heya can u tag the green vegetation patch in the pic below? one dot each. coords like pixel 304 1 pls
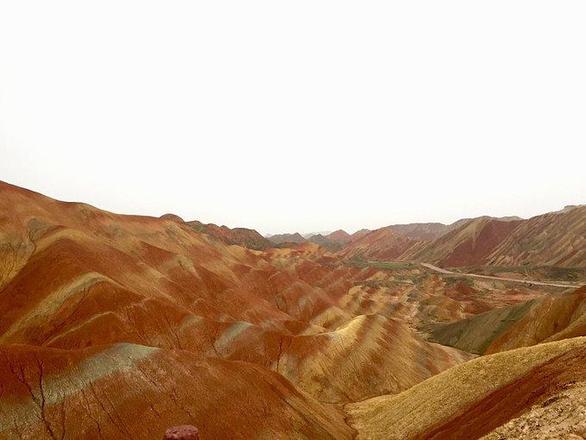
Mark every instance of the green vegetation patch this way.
pixel 475 334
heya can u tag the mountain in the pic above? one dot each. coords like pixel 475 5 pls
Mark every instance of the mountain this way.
pixel 287 238
pixel 340 236
pixel 333 241
pixel 119 326
pixel 325 242
pixel 422 231
pixel 393 242
pixel 553 239
pixel 241 236
pixel 380 244
pixel 311 234
pixel 468 245
pixel 360 233
pixel 107 316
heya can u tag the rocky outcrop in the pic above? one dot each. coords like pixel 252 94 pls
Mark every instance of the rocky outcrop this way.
pixel 183 432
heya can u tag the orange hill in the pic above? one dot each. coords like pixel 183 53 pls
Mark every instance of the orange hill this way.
pixel 119 326
pixel 97 308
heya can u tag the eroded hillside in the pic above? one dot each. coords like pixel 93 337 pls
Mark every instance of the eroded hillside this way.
pixel 115 326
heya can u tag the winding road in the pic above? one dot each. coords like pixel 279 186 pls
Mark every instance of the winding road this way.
pixel 514 280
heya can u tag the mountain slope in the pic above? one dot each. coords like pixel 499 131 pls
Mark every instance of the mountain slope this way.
pixel 367 356
pixel 380 244
pixel 340 236
pixel 422 231
pixel 241 236
pixel 468 245
pixel 472 399
pixel 127 324
pixel 325 242
pixel 287 238
pixel 78 282
pixel 133 391
pixel 554 239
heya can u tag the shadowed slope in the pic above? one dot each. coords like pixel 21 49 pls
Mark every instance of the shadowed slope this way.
pixel 549 319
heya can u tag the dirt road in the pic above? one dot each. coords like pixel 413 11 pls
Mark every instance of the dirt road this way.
pixel 513 280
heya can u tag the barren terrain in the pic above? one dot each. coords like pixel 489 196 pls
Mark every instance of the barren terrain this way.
pixel 117 326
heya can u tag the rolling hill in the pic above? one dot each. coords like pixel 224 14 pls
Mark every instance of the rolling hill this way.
pixel 117 326
pixel 98 307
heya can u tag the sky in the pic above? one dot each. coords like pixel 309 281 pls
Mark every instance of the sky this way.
pixel 297 116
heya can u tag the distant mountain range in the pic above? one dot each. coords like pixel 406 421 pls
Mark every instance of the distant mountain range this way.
pixel 556 239
pixel 249 238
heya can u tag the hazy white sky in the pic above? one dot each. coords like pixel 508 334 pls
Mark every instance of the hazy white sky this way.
pixel 297 116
